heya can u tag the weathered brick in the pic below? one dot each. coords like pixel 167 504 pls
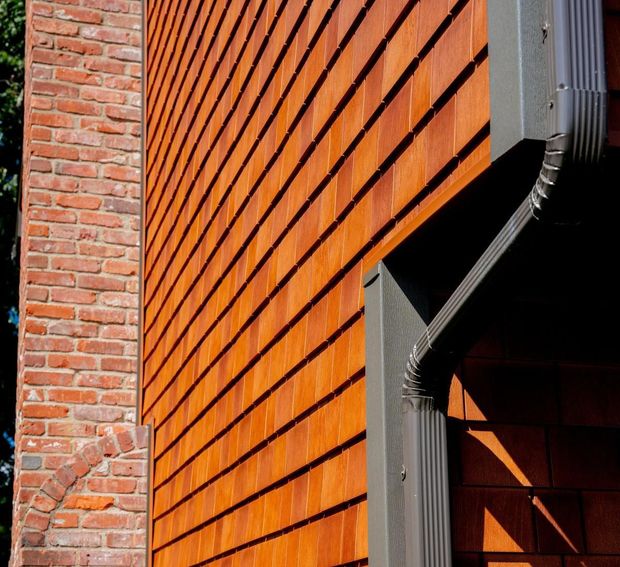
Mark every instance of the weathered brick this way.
pixel 108 520
pixel 79 46
pixel 78 15
pixel 48 557
pixel 98 414
pixel 64 520
pixel 108 446
pixel 80 538
pixel 33 539
pixel 112 485
pixel 30 462
pixel 36 520
pixel 44 503
pixel 54 489
pixel 120 558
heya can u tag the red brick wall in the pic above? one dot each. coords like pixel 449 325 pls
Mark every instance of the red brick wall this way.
pixel 79 285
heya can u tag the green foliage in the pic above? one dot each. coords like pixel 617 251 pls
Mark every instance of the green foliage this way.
pixel 12 19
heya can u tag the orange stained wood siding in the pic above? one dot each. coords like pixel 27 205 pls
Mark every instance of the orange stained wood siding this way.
pixel 287 142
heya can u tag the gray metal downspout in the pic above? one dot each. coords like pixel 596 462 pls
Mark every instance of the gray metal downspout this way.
pixel 577 126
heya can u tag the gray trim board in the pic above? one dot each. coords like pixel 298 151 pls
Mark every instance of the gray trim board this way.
pixel 391 320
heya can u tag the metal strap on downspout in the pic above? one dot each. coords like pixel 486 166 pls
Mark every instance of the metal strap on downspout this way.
pixel 577 129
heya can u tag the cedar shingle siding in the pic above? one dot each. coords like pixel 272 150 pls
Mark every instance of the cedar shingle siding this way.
pixel 284 144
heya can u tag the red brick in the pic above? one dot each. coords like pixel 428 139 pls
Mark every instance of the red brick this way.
pixel 119 558
pixel 118 364
pixel 76 264
pixel 121 173
pixel 44 410
pixel 46 445
pixel 49 278
pixel 108 520
pixel 65 476
pixel 54 26
pixel 36 520
pixel 48 378
pixel 100 283
pixel 74 296
pixel 121 267
pixel 54 489
pixel 78 15
pixel 37 327
pixel 42 165
pixel 78 77
pixel 50 344
pixel 129 468
pixel 73 329
pixel 48 557
pixel 132 503
pixel 125 441
pixel 77 169
pixel 112 485
pixel 142 436
pixel 99 381
pixel 123 113
pixel 43 503
pixel 52 246
pixel 73 396
pixel 65 520
pixel 54 89
pixel 101 219
pixel 33 539
pixel 52 120
pixel 79 201
pixel 73 361
pixel 103 95
pixel 79 46
pixel 78 107
pixel 71 429
pixel 74 539
pixel 95 413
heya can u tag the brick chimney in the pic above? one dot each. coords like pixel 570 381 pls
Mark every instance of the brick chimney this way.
pixel 80 469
